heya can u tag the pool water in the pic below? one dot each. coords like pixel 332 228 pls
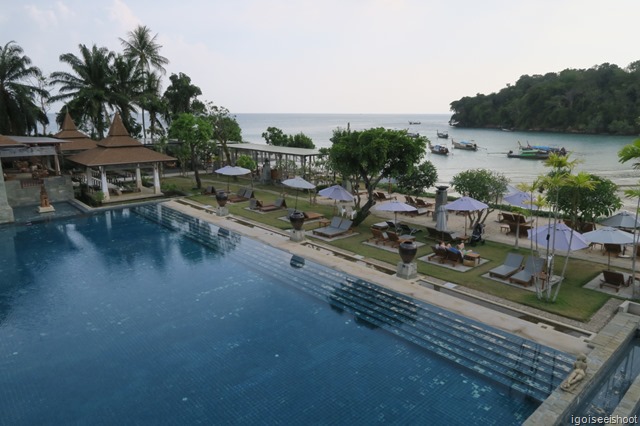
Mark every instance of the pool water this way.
pixel 114 319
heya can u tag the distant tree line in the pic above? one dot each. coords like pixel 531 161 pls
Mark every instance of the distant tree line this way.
pixel 604 99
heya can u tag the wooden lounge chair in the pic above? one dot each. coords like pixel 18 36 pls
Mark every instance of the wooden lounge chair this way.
pixel 511 265
pixel 380 196
pixel 312 215
pixel 209 190
pixel 533 265
pixel 242 195
pixel 337 227
pixel 439 253
pixel 395 239
pixel 379 237
pixel 613 279
pixel 255 204
pixel 280 203
pixel 409 200
pixel 454 256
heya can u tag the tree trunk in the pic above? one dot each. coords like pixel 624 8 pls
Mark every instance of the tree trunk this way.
pixel 194 166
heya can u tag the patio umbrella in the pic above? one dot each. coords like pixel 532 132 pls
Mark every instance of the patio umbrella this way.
pixel 624 219
pixel 521 199
pixel 337 193
pixel 298 183
pixel 466 204
pixel 395 207
pixel 609 235
pixel 232 171
pixel 558 236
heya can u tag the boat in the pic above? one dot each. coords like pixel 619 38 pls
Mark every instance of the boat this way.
pixel 414 122
pixel 529 154
pixel 544 148
pixel 466 145
pixel 442 135
pixel 439 149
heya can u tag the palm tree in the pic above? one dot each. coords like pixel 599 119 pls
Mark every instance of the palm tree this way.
pixel 19 112
pixel 576 184
pixel 89 87
pixel 627 153
pixel 142 47
pixel 126 88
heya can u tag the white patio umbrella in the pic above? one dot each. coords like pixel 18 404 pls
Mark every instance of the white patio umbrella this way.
pixel 558 237
pixel 298 183
pixel 623 219
pixel 466 204
pixel 395 207
pixel 337 193
pixel 609 235
pixel 521 199
pixel 232 171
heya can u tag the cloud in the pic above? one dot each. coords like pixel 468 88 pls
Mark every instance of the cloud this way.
pixel 123 16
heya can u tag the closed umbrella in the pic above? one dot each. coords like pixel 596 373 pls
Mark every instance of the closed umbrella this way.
pixel 395 207
pixel 441 219
pixel 609 235
pixel 466 204
pixel 232 171
pixel 298 183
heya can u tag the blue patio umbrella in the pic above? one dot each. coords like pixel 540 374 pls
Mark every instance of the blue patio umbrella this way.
pixel 558 236
pixel 521 199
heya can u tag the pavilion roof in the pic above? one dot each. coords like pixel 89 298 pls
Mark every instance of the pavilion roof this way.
pixel 118 148
pixel 78 141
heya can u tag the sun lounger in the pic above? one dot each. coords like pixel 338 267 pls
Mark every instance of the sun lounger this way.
pixel 338 226
pixel 409 200
pixel 533 265
pixel 379 237
pixel 454 256
pixel 511 265
pixel 280 203
pixel 613 279
pixel 406 229
pixel 380 196
pixel 242 195
pixel 439 253
pixel 209 190
pixel 312 215
pixel 395 239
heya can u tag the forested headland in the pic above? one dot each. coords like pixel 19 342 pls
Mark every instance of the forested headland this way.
pixel 604 99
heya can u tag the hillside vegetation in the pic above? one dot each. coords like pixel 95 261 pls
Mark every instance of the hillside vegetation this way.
pixel 604 99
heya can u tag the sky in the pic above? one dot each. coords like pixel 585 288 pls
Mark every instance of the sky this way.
pixel 338 56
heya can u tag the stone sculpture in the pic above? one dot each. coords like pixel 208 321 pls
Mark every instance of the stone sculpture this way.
pixel 578 374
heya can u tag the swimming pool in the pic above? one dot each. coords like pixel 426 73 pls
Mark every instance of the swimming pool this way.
pixel 111 318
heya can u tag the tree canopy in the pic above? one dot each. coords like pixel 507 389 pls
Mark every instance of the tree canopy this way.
pixel 604 99
pixel 483 185
pixel 195 133
pixel 276 137
pixel 19 112
pixel 372 155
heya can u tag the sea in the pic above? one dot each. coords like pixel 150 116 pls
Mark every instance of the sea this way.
pixel 597 154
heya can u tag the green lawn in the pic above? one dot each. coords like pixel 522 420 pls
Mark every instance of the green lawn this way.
pixel 573 301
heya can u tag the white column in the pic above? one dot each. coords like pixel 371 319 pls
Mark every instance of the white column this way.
pixel 105 186
pixel 138 177
pixel 156 179
pixel 89 176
